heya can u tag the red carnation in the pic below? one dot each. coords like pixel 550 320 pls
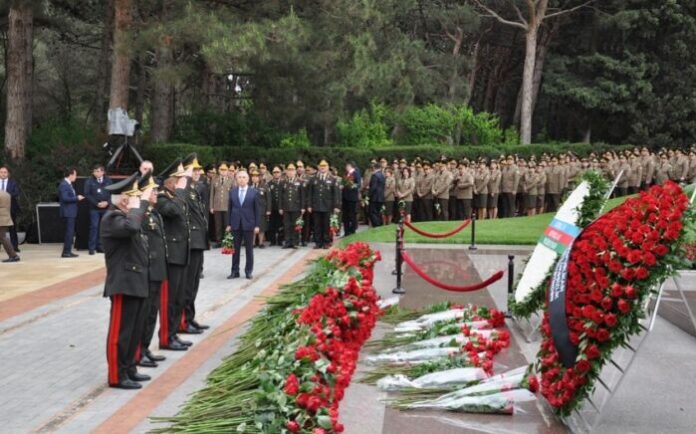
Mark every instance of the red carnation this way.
pixel 533 384
pixel 592 352
pixel 630 292
pixel 292 385
pixel 293 426
pixel 583 366
pixel 642 273
pixel 610 319
pixel 602 335
pixel 623 306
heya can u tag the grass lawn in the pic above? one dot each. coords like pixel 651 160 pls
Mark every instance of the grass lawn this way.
pixel 514 231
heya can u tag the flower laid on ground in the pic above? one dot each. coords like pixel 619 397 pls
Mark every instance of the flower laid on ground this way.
pixel 228 244
pixel 614 265
pixel 294 363
pixel 334 225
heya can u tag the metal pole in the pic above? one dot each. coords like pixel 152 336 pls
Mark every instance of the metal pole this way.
pixel 511 281
pixel 397 253
pixel 399 260
pixel 473 247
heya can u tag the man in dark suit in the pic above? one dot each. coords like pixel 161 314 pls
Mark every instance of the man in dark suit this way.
pixel 11 187
pixel 244 215
pixel 99 199
pixel 68 199
pixel 351 196
pixel 127 285
pixel 376 195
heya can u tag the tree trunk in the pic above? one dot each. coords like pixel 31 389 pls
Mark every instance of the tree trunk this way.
pixel 528 83
pixel 19 73
pixel 141 90
pixel 472 74
pixel 104 67
pixel 542 50
pixel 162 100
pixel 456 52
pixel 120 69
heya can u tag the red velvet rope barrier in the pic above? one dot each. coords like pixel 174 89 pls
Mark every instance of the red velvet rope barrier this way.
pixel 494 278
pixel 445 235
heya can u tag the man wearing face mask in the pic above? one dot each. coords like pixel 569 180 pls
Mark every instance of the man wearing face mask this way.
pixel 126 256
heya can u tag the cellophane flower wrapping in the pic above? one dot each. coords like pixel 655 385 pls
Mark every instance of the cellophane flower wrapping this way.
pixel 228 244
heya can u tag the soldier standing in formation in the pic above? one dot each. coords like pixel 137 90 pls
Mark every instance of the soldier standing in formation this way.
pixel 275 219
pixel 441 189
pixel 220 187
pixel 264 205
pixel 324 197
pixel 291 206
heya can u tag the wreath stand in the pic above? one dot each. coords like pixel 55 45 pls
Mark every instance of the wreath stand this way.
pixel 588 416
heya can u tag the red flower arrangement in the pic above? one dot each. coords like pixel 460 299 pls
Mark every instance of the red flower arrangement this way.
pixel 228 244
pixel 613 265
pixel 340 321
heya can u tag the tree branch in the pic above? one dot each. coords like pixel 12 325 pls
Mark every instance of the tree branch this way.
pixel 519 14
pixel 567 11
pixel 492 14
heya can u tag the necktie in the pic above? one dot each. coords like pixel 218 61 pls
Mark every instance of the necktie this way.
pixel 242 194
pixel 3 184
pixel 99 180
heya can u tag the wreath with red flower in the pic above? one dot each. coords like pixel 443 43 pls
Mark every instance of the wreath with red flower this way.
pixel 614 265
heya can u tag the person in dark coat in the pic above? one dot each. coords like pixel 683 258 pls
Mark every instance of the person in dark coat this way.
pixel 126 256
pixel 376 195
pixel 171 205
pixel 351 197
pixel 198 225
pixel 291 205
pixel 153 228
pixel 324 198
pixel 11 187
pixel 99 200
pixel 68 199
pixel 245 215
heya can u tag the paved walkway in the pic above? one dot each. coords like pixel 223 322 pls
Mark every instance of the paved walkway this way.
pixel 54 368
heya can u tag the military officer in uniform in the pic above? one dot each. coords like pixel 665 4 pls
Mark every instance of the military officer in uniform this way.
pixel 275 218
pixel 126 256
pixel 307 216
pixel 153 228
pixel 199 243
pixel 424 187
pixel 264 205
pixel 324 197
pixel 291 205
pixel 441 190
pixel 172 206
pixel 219 194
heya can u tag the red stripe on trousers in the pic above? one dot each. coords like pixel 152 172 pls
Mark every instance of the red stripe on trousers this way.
pixel 138 355
pixel 164 314
pixel 112 341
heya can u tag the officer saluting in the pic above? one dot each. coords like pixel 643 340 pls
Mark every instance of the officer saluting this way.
pixel 291 205
pixel 324 197
pixel 153 228
pixel 126 256
pixel 171 204
pixel 198 225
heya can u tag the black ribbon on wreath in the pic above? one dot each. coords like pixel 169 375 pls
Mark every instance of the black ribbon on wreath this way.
pixel 558 321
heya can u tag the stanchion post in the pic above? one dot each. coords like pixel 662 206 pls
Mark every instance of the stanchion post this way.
pixel 511 279
pixel 473 233
pixel 399 259
pixel 397 252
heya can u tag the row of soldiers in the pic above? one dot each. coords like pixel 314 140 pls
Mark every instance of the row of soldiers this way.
pixel 153 237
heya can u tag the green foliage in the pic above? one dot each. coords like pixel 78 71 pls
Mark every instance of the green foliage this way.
pixel 58 132
pixel 225 129
pixel 299 140
pixel 366 129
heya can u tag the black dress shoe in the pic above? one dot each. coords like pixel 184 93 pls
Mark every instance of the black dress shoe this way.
pixel 12 259
pixel 147 363
pixel 199 326
pixel 326 247
pixel 126 384
pixel 154 357
pixel 317 247
pixel 191 330
pixel 183 342
pixel 16 249
pixel 249 276
pixel 174 346
pixel 69 255
pixel 138 377
pixel 233 276
pixel 287 246
pixel 91 252
pixel 100 250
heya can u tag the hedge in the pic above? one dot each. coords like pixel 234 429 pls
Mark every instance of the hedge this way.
pixel 163 154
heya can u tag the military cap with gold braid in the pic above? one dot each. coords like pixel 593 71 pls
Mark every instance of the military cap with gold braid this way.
pixel 128 186
pixel 192 161
pixel 175 169
pixel 323 163
pixel 147 181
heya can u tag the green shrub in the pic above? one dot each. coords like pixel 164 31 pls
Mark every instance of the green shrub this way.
pixel 56 132
pixel 366 129
pixel 299 140
pixel 225 129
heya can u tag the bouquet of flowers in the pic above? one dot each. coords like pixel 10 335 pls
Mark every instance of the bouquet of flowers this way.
pixel 299 224
pixel 438 208
pixel 365 201
pixel 348 181
pixel 334 225
pixel 228 244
